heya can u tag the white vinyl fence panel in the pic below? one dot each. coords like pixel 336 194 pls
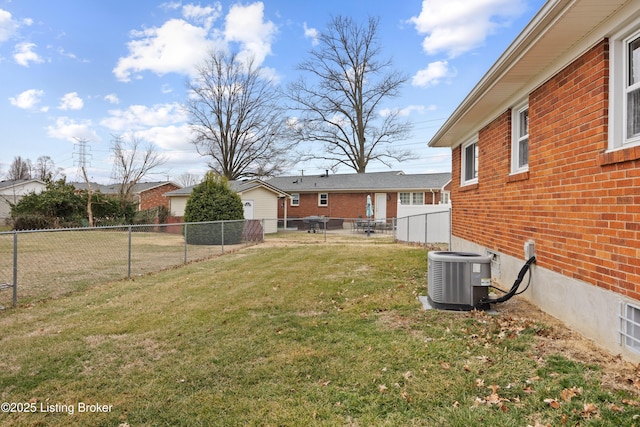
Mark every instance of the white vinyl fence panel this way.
pixel 434 227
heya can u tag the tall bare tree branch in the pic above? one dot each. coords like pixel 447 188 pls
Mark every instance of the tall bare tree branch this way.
pixel 340 103
pixel 132 161
pixel 236 119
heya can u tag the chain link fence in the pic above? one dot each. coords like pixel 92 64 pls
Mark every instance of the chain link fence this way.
pixel 42 264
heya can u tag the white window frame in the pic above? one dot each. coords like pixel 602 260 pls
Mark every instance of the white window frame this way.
pixel 618 87
pixel 463 163
pixel 295 199
pixel 517 136
pixel 416 195
pixel 408 198
pixel 411 198
pixel 326 199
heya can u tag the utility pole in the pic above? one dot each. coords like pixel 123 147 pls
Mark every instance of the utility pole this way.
pixel 82 167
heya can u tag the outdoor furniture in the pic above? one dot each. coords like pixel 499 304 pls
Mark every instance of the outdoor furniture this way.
pixel 314 222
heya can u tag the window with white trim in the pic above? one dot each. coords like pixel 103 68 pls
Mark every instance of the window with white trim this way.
pixel 407 198
pixel 417 199
pixel 469 163
pixel 323 199
pixel 624 94
pixel 295 199
pixel 520 139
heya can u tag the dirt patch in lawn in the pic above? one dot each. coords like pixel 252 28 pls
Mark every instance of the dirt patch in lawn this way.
pixel 556 338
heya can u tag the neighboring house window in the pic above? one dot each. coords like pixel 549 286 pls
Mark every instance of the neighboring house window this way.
pixel 624 96
pixel 411 198
pixel 470 163
pixel 446 198
pixel 323 199
pixel 418 199
pixel 405 198
pixel 520 140
pixel 295 199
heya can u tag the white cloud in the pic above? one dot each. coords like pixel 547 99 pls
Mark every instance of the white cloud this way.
pixel 28 100
pixel 112 98
pixel 139 117
pixel 8 26
pixel 457 26
pixel 71 130
pixel 180 44
pixel 71 101
pixel 408 110
pixel 168 137
pixel 205 15
pixel 175 47
pixel 311 33
pixel 246 25
pixel 23 54
pixel 433 74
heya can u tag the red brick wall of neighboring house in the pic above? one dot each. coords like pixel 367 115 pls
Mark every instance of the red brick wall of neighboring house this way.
pixel 341 205
pixel 155 197
pixel 579 203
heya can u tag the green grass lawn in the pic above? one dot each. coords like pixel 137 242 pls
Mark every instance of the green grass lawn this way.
pixel 299 334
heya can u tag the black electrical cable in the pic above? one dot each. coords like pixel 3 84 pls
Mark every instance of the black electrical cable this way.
pixel 525 268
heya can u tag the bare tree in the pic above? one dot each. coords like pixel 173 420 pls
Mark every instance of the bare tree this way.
pixel 20 169
pixel 236 119
pixel 340 106
pixel 132 161
pixel 46 170
pixel 188 179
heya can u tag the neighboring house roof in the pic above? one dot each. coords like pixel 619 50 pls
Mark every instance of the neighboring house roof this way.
pixel 559 33
pixel 374 181
pixel 18 182
pixel 237 186
pixel 113 188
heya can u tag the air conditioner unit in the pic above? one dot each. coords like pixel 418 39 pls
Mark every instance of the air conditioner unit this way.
pixel 458 280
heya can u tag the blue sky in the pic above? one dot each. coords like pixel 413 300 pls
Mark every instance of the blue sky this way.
pixel 91 69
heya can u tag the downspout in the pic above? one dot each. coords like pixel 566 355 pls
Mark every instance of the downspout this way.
pixel 433 197
pixel 286 202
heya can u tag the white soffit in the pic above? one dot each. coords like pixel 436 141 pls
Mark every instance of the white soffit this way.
pixel 533 57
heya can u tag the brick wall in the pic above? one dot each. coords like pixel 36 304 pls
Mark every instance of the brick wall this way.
pixel 580 204
pixel 155 197
pixel 341 205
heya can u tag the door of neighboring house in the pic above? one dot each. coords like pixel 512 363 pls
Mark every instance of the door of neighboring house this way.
pixel 248 209
pixel 380 207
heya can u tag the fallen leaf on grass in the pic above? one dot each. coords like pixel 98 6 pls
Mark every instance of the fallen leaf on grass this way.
pixel 553 403
pixel 445 365
pixel 589 409
pixel 615 408
pixel 479 382
pixel 382 388
pixel 568 393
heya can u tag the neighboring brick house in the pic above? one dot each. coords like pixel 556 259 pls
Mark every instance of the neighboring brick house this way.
pixel 546 148
pixel 345 195
pixel 147 195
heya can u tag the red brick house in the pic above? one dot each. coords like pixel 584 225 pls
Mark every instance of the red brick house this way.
pixel 345 195
pixel 147 195
pixel 546 149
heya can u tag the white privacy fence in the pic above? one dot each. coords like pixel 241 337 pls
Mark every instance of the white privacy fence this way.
pixel 432 227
